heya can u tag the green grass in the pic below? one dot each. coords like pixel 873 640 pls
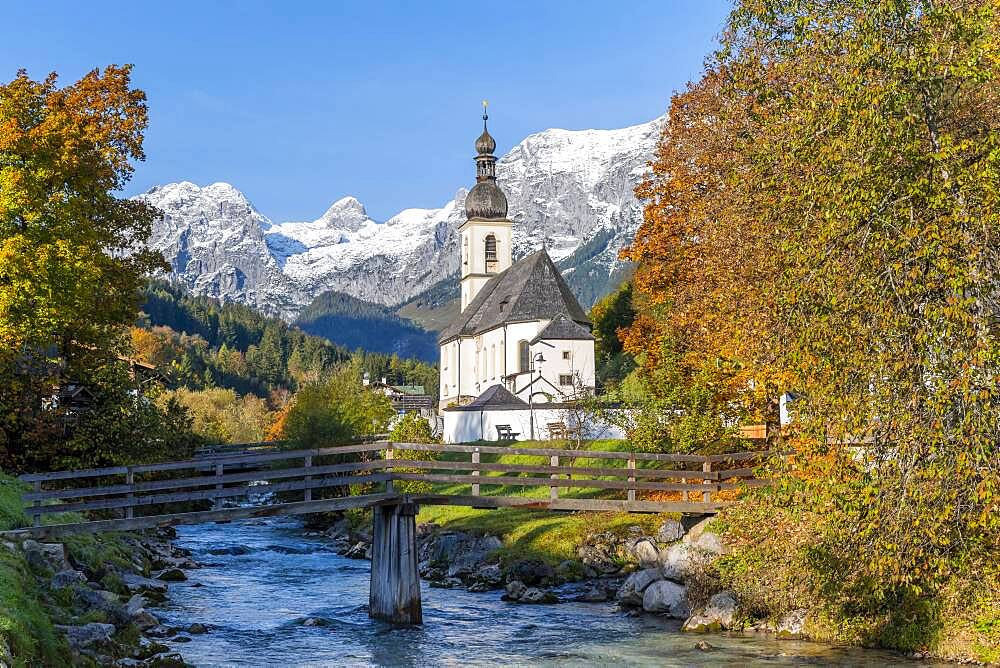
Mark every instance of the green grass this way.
pixel 537 534
pixel 25 627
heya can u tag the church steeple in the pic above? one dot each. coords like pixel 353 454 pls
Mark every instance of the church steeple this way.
pixel 486 235
pixel 486 162
pixel 486 200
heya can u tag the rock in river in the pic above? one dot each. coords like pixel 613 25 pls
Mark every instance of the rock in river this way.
pixel 666 597
pixel 718 615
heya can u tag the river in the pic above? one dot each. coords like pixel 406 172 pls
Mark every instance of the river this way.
pixel 272 596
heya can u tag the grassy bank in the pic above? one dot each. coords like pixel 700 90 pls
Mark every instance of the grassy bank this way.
pixel 26 629
pixel 536 534
pixel 779 562
pixel 27 610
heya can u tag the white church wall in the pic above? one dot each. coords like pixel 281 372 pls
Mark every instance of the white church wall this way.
pixel 469 426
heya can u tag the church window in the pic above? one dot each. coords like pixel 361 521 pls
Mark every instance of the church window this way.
pixel 465 250
pixel 524 356
pixel 491 253
pixel 566 379
pixel 493 361
pixel 565 354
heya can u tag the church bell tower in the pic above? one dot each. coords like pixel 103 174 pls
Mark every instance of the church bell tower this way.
pixel 486 235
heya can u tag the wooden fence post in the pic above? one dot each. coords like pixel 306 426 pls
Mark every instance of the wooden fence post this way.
pixel 475 471
pixel 707 468
pixel 130 481
pixel 631 477
pixel 36 515
pixel 390 488
pixel 218 474
pixel 554 491
pixel 308 491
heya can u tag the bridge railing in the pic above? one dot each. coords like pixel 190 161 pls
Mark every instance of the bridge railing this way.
pixel 459 475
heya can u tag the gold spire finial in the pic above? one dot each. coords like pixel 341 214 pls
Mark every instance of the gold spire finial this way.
pixel 485 115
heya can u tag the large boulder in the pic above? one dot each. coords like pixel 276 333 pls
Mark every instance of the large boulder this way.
pixel 646 553
pixel 457 553
pixel 666 597
pixel 678 560
pixel 630 593
pixel 87 636
pixel 46 556
pixel 102 601
pixel 670 531
pixel 518 592
pixel 702 537
pixel 171 575
pixel 532 572
pixel 487 578
pixel 718 615
pixel 67 578
pixel 152 589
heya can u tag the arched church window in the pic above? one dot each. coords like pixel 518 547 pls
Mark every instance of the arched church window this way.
pixel 491 252
pixel 465 250
pixel 523 356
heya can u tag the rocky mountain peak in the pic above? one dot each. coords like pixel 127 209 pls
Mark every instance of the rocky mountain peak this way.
pixel 570 190
pixel 347 213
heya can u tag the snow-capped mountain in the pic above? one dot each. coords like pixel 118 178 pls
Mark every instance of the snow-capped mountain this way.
pixel 571 190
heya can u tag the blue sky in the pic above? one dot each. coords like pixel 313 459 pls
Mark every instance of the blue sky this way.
pixel 300 103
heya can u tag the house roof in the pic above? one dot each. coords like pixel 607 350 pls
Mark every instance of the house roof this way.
pixel 495 396
pixel 563 329
pixel 530 289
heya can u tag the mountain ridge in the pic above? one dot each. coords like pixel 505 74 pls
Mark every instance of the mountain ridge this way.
pixel 570 190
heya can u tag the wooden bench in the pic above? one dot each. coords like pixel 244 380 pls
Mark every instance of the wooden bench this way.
pixel 505 433
pixel 557 431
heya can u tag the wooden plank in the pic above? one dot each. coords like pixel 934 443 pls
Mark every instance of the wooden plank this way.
pixel 631 478
pixel 204 462
pixel 209 494
pixel 566 470
pixel 201 481
pixel 548 482
pixel 476 464
pixel 554 489
pixel 740 456
pixel 308 496
pixel 548 452
pixel 227 514
pixel 574 505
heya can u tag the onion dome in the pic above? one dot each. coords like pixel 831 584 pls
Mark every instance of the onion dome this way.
pixel 486 200
pixel 485 145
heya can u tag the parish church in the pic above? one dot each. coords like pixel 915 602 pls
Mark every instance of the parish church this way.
pixel 521 336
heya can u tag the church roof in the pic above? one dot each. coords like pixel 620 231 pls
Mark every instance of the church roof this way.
pixel 563 329
pixel 493 397
pixel 530 289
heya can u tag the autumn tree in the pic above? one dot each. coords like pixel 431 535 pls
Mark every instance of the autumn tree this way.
pixel 823 217
pixel 72 253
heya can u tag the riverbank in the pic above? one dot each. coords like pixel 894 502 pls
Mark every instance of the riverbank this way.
pixel 663 566
pixel 85 600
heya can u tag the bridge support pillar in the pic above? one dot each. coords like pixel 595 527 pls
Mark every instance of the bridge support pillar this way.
pixel 394 595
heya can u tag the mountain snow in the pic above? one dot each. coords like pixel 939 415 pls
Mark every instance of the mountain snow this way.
pixel 569 190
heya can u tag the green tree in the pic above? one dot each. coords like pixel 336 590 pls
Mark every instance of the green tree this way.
pixel 335 411
pixel 72 255
pixel 823 217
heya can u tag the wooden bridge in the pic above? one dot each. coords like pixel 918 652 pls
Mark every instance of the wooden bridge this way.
pixel 391 478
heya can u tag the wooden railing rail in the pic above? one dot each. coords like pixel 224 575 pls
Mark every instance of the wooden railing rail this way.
pixel 629 472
